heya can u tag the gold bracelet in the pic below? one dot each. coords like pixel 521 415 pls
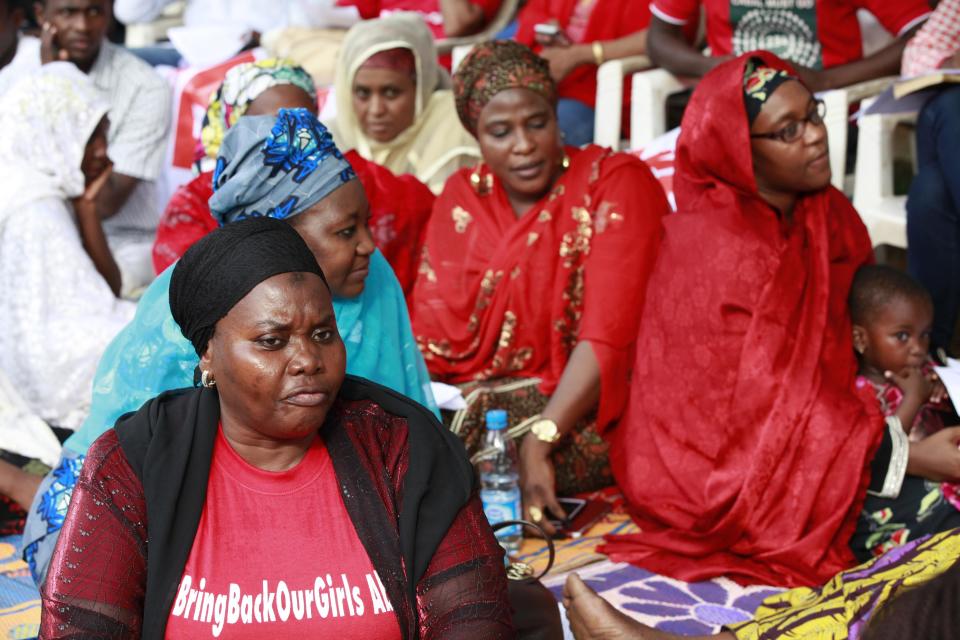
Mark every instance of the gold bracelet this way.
pixel 597 52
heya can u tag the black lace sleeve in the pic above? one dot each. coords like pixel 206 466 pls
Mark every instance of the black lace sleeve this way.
pixel 97 577
pixel 464 592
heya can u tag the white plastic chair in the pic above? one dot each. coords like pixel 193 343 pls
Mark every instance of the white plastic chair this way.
pixel 838 103
pixel 147 34
pixel 883 212
pixel 609 105
pixel 648 118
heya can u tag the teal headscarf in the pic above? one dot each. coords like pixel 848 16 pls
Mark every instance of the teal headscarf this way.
pixel 277 167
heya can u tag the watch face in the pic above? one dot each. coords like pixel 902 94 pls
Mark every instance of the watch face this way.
pixel 546 430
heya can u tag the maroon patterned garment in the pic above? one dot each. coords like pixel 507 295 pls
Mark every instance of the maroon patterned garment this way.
pixel 97 583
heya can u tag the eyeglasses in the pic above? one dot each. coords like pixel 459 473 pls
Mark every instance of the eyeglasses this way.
pixel 795 130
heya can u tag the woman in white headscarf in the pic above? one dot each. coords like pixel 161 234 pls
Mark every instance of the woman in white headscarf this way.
pixel 59 307
pixel 394 105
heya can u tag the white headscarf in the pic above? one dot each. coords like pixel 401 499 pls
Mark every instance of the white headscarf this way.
pixel 46 120
pixel 436 143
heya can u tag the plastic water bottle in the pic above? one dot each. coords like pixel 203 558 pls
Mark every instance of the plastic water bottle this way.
pixel 499 479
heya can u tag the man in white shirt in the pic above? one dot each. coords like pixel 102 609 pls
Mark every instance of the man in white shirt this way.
pixel 74 30
pixel 18 54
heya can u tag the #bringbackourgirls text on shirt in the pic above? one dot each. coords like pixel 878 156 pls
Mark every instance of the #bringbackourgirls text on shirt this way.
pixel 327 597
pixel 276 554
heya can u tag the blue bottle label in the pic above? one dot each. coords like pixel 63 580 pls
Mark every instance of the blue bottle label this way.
pixel 499 506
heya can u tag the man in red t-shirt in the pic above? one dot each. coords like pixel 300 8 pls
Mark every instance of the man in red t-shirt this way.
pixel 446 18
pixel 821 37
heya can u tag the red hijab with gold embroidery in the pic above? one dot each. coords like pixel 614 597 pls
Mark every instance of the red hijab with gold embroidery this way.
pixel 501 296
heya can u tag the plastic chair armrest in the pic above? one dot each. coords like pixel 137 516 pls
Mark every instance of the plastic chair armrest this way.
pixel 609 104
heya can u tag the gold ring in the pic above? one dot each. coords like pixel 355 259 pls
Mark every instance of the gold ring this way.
pixel 536 513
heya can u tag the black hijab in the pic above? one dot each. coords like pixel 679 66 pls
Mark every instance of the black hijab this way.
pixel 224 266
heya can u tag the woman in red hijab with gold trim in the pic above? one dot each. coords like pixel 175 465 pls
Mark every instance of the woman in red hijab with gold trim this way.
pixel 744 450
pixel 533 275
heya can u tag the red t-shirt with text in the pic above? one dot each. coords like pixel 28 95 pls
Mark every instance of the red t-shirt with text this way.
pixel 276 555
pixel 813 33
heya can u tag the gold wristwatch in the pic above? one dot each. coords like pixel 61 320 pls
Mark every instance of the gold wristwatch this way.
pixel 545 430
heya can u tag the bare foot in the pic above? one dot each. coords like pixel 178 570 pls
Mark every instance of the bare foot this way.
pixel 593 618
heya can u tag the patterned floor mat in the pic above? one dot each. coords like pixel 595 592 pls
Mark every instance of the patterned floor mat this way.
pixel 671 605
pixel 575 553
pixel 19 598
pixel 667 604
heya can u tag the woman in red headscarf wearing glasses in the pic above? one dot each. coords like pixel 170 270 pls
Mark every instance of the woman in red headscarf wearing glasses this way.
pixel 744 450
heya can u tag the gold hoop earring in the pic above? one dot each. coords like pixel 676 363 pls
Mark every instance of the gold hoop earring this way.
pixel 482 183
pixel 206 379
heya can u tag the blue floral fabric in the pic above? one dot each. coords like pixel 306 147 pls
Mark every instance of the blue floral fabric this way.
pixel 47 513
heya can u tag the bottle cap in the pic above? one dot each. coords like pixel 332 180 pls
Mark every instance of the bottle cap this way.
pixel 496 419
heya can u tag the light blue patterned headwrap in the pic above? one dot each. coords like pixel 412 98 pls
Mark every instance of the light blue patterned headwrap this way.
pixel 276 167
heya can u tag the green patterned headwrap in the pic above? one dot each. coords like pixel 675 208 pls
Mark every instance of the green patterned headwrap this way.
pixel 241 86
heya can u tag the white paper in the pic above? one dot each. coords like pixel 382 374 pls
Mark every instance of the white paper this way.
pixel 950 376
pixel 447 396
pixel 885 103
pixel 21 431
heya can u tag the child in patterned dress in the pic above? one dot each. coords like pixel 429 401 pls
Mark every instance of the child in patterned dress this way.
pixel 892 316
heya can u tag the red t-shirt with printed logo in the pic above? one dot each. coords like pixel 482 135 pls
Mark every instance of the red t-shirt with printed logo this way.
pixel 813 33
pixel 277 556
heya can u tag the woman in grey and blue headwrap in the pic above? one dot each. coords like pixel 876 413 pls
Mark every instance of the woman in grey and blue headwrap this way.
pixel 285 167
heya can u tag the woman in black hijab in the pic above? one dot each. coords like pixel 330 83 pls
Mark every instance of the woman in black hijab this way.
pixel 281 497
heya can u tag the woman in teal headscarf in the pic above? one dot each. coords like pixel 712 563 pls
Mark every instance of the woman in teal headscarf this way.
pixel 285 167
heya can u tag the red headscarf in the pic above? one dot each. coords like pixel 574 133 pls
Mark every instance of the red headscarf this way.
pixel 398 59
pixel 501 296
pixel 744 450
pixel 400 208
